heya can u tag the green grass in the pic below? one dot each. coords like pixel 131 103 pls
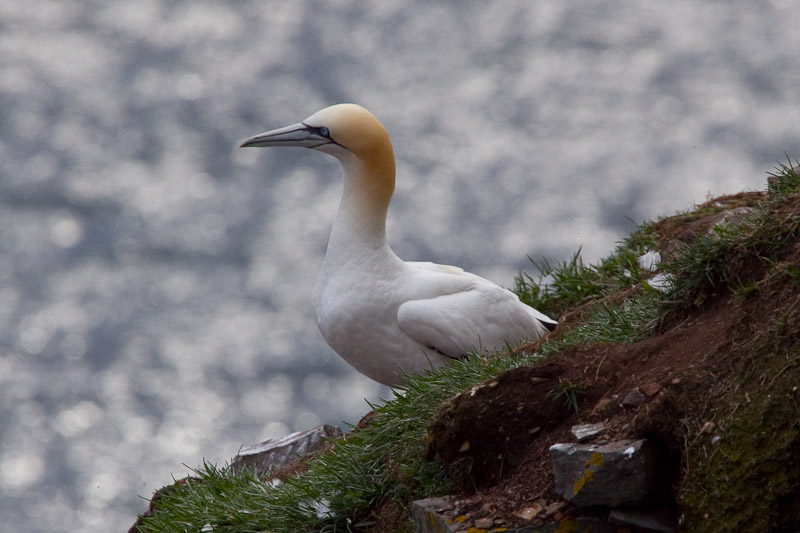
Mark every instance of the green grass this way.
pixel 566 285
pixel 724 258
pixel 571 284
pixel 567 391
pixel 342 489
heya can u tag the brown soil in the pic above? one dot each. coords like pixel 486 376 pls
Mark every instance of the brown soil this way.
pixel 676 372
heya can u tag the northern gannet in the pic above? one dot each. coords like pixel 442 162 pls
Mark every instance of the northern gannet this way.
pixel 383 315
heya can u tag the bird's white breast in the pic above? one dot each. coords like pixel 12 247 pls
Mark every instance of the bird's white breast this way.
pixel 356 312
pixel 383 315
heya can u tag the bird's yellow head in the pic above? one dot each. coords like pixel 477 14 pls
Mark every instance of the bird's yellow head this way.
pixel 341 126
pixel 350 133
pixel 352 127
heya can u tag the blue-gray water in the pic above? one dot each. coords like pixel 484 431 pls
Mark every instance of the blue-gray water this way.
pixel 155 280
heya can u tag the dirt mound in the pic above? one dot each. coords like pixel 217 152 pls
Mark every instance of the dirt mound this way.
pixel 734 356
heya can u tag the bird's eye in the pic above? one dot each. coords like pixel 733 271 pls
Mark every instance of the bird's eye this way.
pixel 325 132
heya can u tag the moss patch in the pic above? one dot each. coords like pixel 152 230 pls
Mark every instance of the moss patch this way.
pixel 749 479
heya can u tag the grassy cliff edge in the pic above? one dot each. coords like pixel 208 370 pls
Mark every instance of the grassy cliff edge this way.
pixel 716 324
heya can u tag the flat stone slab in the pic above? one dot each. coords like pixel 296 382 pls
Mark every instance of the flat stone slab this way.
pixel 274 454
pixel 614 474
pixel 655 520
pixel 584 432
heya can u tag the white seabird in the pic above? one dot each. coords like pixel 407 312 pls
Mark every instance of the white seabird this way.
pixel 383 315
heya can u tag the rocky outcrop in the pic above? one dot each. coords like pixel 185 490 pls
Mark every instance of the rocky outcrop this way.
pixel 278 454
pixel 614 474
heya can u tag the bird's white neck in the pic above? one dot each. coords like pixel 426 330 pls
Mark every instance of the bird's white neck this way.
pixel 359 229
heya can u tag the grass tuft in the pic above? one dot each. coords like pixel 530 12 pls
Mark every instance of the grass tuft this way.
pixel 716 261
pixel 341 489
pixel 569 392
pixel 566 285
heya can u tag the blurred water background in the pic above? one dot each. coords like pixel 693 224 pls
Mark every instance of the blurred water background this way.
pixel 155 280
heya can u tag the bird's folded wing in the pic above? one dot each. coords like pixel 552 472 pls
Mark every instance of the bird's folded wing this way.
pixel 482 318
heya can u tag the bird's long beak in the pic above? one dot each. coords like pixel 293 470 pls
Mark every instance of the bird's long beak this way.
pixel 295 135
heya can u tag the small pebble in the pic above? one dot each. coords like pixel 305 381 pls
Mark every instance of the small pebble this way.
pixel 555 507
pixel 584 432
pixel 634 398
pixel 484 523
pixel 650 389
pixel 529 513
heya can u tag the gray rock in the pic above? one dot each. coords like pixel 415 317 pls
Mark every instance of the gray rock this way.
pixel 614 474
pixel 584 432
pixel 648 520
pixel 733 217
pixel 484 523
pixel 432 515
pixel 554 508
pixel 634 398
pixel 274 454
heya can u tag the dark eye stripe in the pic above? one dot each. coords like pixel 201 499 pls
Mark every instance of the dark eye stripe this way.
pixel 322 131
